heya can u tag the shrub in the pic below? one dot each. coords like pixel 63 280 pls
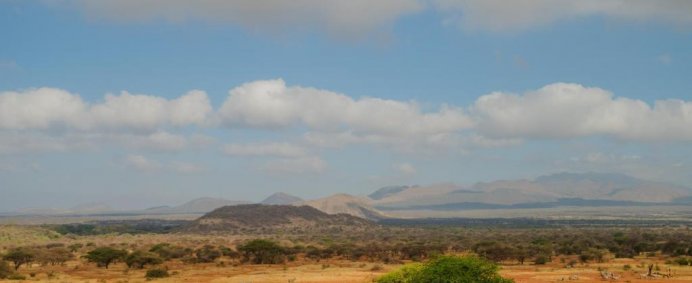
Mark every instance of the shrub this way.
pixel 683 261
pixel 452 269
pixel 262 252
pixel 167 251
pixel 5 269
pixel 16 276
pixel 105 256
pixel 207 254
pixel 157 273
pixel 541 260
pixel 139 259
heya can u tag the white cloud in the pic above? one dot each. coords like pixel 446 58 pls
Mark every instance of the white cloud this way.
pixel 40 108
pixel 142 163
pixel 519 15
pixel 271 104
pixel 405 168
pixel 44 108
pixel 343 18
pixel 265 149
pixel 300 165
pixel 564 110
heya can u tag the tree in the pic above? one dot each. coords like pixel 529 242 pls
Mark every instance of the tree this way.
pixel 261 251
pixel 54 256
pixel 139 259
pixel 450 269
pixel 105 256
pixel 20 256
pixel 168 251
pixel 207 254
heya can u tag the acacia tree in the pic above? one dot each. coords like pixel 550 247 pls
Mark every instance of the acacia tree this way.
pixel 19 257
pixel 105 256
pixel 139 259
pixel 261 251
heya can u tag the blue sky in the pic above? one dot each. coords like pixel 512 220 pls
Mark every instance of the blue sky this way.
pixel 408 92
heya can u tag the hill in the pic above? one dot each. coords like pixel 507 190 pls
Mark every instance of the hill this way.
pixel 556 190
pixel 281 198
pixel 255 217
pixel 347 204
pixel 200 205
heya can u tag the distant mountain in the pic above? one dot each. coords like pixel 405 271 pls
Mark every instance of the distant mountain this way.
pixel 348 204
pixel 387 191
pixel 562 189
pixel 249 217
pixel 200 205
pixel 281 198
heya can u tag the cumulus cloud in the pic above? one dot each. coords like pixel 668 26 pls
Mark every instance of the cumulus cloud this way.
pixel 44 108
pixel 343 18
pixel 265 149
pixel 499 15
pixel 272 104
pixel 563 110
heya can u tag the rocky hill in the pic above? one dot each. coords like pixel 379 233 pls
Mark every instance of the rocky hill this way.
pixel 347 204
pixel 259 217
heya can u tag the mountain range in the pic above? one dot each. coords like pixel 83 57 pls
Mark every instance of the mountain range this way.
pixel 549 191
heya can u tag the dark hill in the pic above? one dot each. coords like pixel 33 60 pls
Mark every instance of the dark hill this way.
pixel 258 217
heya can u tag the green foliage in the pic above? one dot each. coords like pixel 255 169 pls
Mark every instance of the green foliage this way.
pixel 105 256
pixel 541 260
pixel 683 261
pixel 20 256
pixel 139 259
pixel 447 269
pixel 207 254
pixel 54 256
pixel 168 251
pixel 5 269
pixel 261 251
pixel 157 273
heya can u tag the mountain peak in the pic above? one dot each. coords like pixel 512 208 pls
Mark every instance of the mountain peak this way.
pixel 281 198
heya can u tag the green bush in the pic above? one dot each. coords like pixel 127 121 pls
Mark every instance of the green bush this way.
pixel 139 259
pixel 157 273
pixel 16 276
pixel 262 252
pixel 541 260
pixel 5 269
pixel 447 269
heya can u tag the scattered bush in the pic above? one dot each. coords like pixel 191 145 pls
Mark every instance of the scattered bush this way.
pixel 207 254
pixel 261 251
pixel 139 259
pixel 157 273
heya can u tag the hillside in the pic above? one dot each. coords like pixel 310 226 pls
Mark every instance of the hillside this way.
pixel 348 204
pixel 562 189
pixel 253 217
pixel 281 198
pixel 200 205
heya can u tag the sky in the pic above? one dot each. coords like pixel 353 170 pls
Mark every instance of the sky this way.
pixel 144 103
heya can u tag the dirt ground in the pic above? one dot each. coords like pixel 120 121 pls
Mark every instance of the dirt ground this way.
pixel 339 271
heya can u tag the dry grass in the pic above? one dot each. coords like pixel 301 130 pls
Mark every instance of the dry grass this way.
pixel 299 271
